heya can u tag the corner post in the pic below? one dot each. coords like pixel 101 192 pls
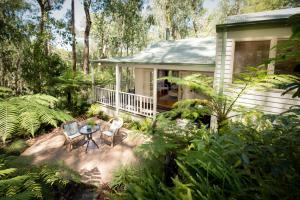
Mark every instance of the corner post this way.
pixel 93 82
pixel 118 80
pixel 154 92
pixel 272 56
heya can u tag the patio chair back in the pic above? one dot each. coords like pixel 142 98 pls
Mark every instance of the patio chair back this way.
pixel 71 129
pixel 115 125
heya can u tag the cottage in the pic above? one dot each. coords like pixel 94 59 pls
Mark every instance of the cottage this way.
pixel 148 95
pixel 243 40
pixel 248 40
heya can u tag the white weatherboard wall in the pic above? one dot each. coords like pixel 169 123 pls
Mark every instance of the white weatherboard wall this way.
pixel 269 102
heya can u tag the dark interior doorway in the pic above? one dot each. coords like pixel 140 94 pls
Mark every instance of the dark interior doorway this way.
pixel 167 93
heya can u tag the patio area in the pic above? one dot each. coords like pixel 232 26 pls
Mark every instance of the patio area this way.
pixel 97 165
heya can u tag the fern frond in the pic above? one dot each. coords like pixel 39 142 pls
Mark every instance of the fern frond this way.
pixel 5 172
pixel 26 195
pixel 9 119
pixel 29 121
pixel 28 113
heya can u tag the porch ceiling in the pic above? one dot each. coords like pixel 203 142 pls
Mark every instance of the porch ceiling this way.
pixel 192 51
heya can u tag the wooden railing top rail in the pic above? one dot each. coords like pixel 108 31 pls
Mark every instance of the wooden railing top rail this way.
pixel 138 95
pixel 104 89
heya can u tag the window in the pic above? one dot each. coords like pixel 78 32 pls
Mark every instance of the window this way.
pixel 287 65
pixel 250 53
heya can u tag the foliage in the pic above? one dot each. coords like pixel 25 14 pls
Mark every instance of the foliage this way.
pixel 16 147
pixel 119 28
pixel 5 92
pixel 259 5
pixel 215 104
pixel 30 182
pixel 289 51
pixel 142 125
pixel 91 122
pixel 122 177
pixel 40 68
pixel 191 109
pixel 249 160
pixel 26 114
pixel 182 18
pixel 95 111
pixel 221 104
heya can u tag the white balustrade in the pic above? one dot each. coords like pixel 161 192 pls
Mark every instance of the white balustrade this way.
pixel 105 96
pixel 133 103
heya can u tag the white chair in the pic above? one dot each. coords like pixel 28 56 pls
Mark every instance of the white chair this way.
pixel 71 132
pixel 113 129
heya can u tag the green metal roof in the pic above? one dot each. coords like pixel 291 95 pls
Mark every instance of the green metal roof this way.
pixel 274 16
pixel 185 51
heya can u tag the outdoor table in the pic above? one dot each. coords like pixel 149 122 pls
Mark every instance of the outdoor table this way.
pixel 88 133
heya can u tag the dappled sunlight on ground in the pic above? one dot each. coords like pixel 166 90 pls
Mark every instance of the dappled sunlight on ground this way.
pixel 97 165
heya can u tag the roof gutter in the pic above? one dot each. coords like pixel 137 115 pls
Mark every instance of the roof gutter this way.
pixel 146 63
pixel 224 27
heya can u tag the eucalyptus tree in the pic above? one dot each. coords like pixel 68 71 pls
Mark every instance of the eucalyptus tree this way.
pixel 120 28
pixel 181 18
pixel 73 35
pixel 262 5
pixel 13 35
pixel 45 7
pixel 88 22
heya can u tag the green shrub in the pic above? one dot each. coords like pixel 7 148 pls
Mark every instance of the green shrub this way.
pixel 122 177
pixel 253 158
pixel 191 109
pixel 143 125
pixel 95 111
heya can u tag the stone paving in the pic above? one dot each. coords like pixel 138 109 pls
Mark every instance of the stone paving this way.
pixel 97 165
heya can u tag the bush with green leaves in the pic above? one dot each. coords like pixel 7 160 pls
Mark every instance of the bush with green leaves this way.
pixel 253 158
pixel 191 109
pixel 24 115
pixel 95 111
pixel 20 181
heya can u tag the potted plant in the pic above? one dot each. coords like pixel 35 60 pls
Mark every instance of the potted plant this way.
pixel 90 124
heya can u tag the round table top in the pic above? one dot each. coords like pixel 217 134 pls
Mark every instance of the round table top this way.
pixel 84 129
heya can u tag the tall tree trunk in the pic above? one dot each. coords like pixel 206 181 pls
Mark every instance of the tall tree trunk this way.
pixel 73 37
pixel 86 4
pixel 45 8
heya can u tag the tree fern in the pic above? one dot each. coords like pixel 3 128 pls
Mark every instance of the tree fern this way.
pixel 27 114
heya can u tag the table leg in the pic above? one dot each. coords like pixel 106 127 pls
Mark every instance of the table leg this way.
pixel 87 146
pixel 95 143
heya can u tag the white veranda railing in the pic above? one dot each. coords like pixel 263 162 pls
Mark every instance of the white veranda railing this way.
pixel 134 103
